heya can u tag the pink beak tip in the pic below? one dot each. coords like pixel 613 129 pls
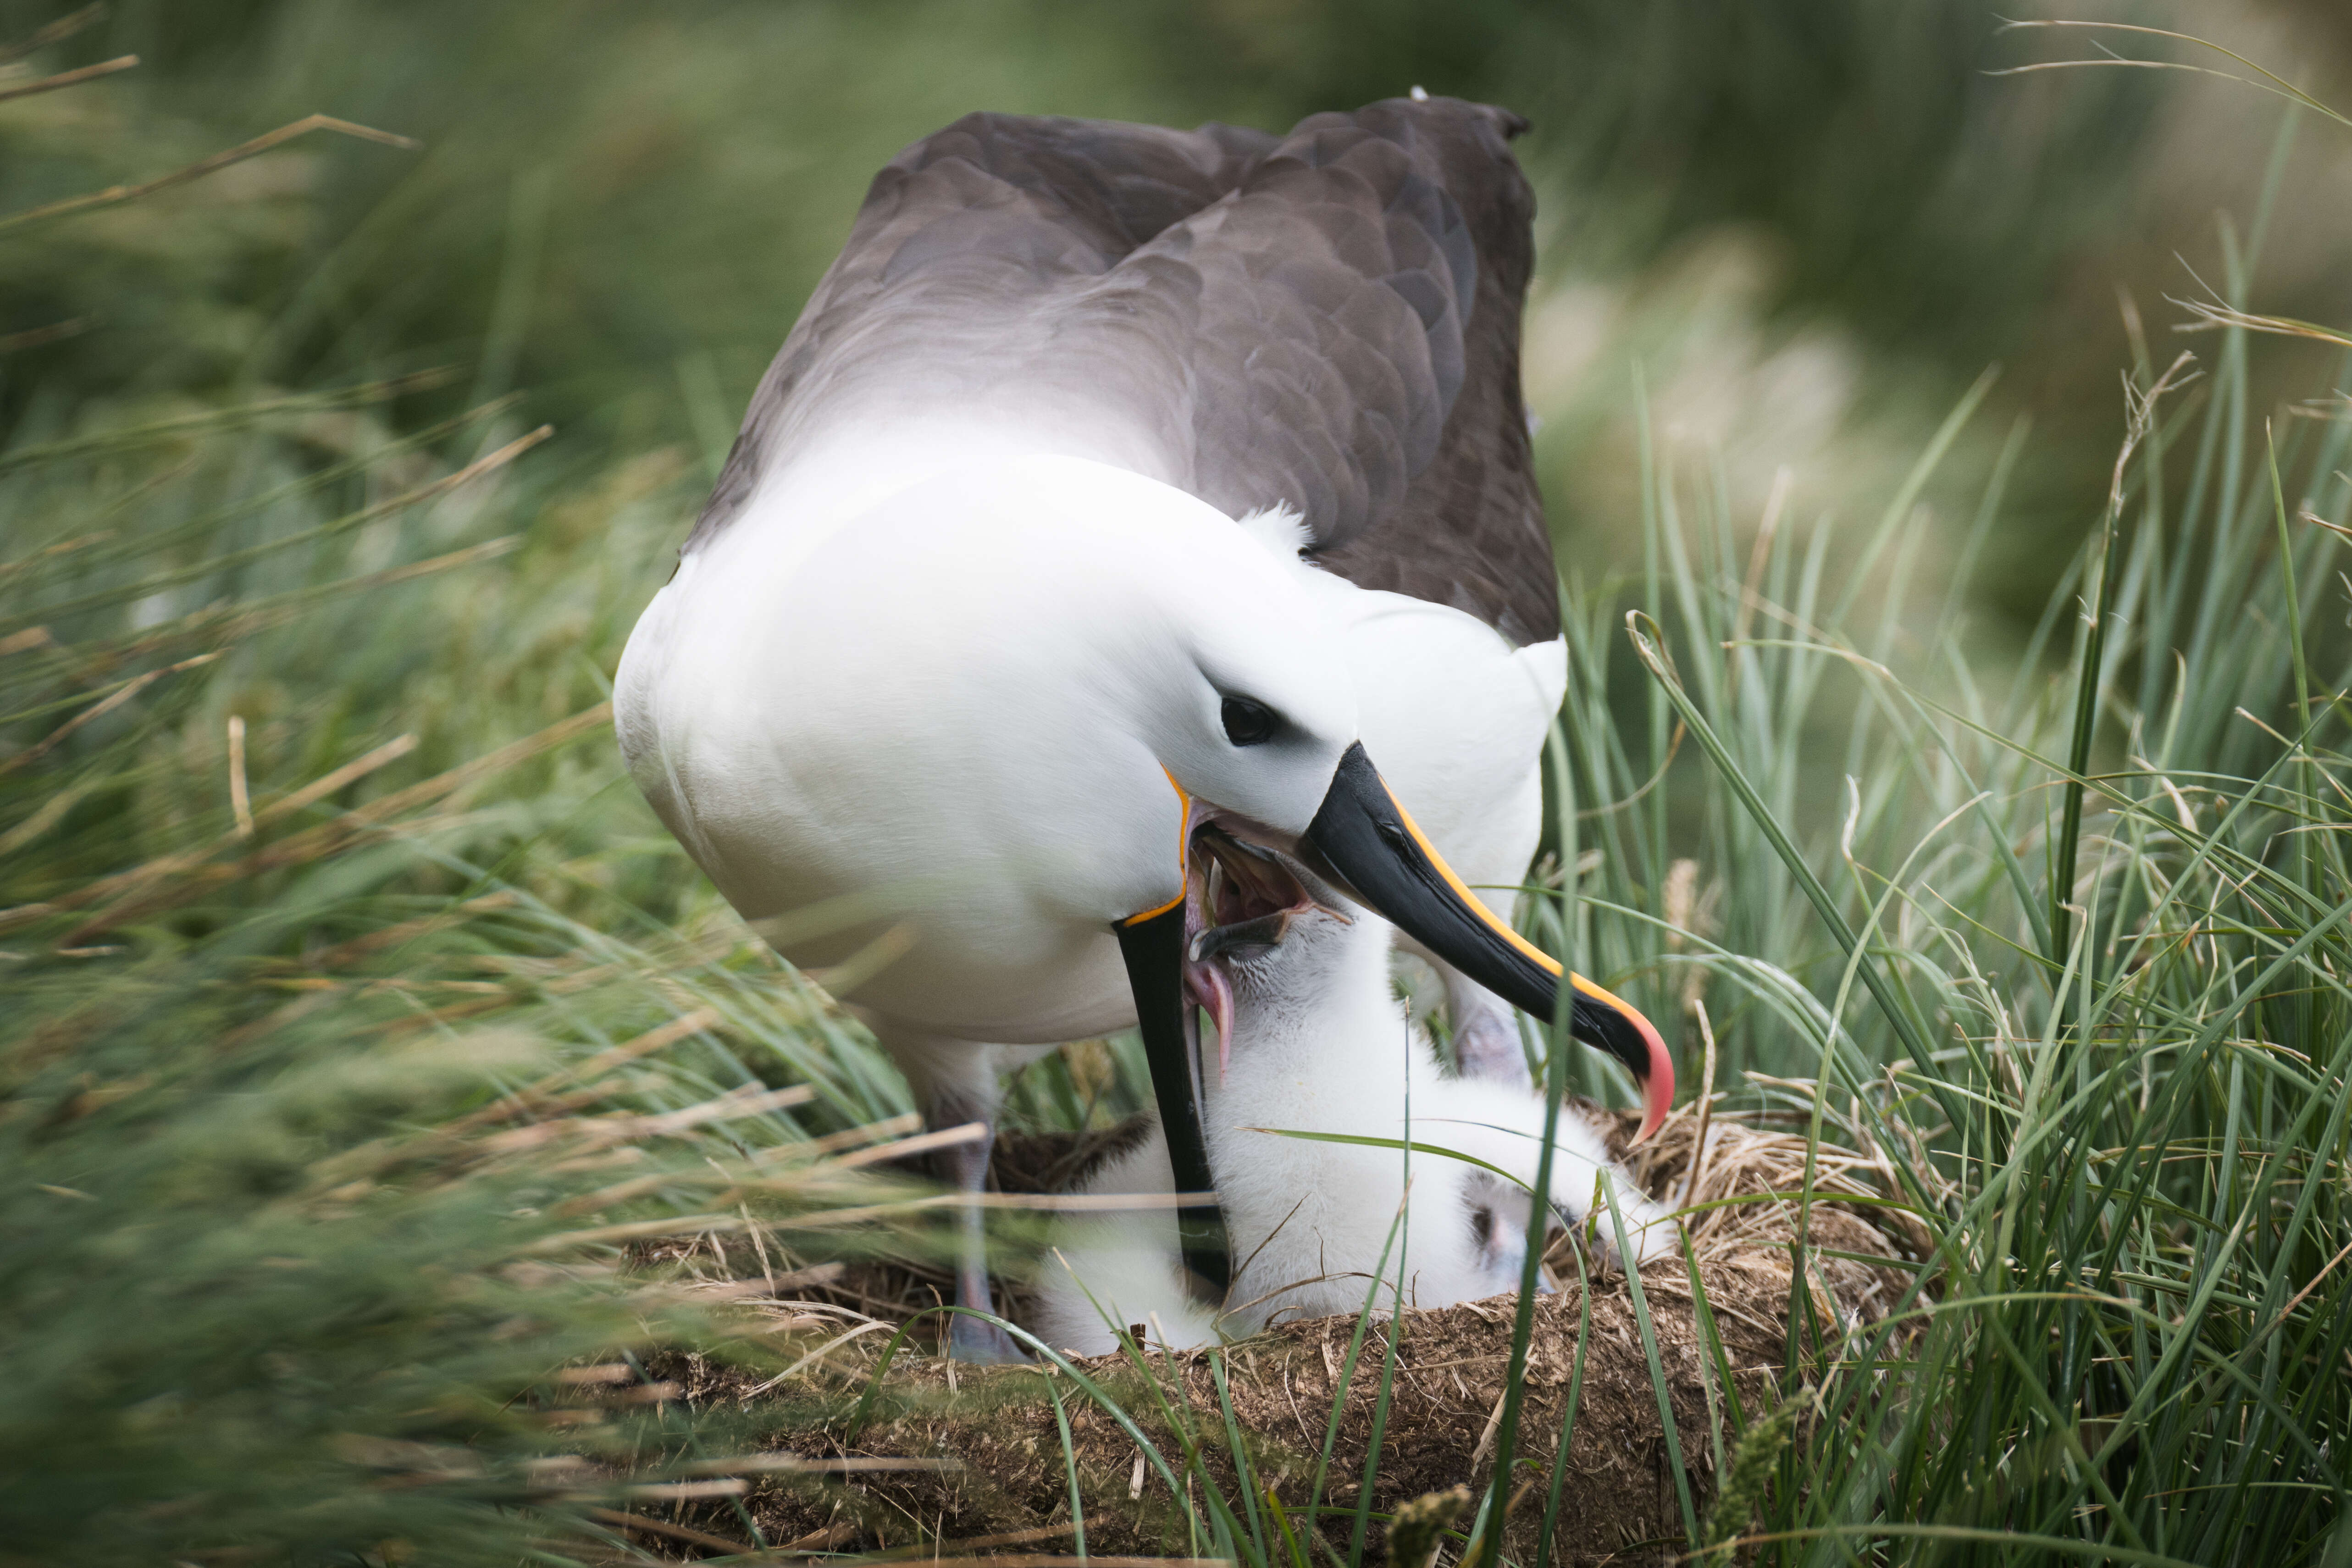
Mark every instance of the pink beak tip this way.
pixel 1658 1087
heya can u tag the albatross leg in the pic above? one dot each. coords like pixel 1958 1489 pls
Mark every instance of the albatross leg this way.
pixel 1485 1028
pixel 964 1166
pixel 955 1081
pixel 1485 1032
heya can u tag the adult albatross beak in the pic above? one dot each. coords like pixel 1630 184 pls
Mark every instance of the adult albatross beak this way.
pixel 1366 841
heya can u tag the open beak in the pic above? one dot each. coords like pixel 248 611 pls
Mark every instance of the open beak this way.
pixel 1364 842
pixel 1154 945
pixel 1168 952
pixel 1367 843
pixel 1239 897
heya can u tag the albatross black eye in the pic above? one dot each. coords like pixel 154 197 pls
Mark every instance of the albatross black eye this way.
pixel 1248 723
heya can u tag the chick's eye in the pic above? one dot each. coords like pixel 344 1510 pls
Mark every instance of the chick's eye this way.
pixel 1247 723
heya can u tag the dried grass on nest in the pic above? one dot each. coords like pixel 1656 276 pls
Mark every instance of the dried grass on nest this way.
pixel 1754 1170
pixel 899 1289
pixel 991 1441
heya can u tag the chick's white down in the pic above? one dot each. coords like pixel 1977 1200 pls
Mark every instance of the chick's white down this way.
pixel 1320 1045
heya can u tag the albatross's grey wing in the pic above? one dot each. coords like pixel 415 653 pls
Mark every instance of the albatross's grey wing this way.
pixel 1359 355
pixel 980 266
pixel 1329 322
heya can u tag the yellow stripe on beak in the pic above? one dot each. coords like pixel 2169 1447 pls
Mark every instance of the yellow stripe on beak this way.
pixel 1477 905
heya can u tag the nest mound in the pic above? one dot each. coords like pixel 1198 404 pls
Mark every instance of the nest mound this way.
pixel 921 1451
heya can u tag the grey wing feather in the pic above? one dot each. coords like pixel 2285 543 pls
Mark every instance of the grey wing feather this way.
pixel 1469 530
pixel 1400 433
pixel 1328 322
pixel 983 255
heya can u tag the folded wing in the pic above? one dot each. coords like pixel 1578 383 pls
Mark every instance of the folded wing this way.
pixel 1329 322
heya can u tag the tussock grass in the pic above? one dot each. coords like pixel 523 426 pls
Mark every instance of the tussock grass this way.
pixel 357 1027
pixel 2073 947
pixel 360 1026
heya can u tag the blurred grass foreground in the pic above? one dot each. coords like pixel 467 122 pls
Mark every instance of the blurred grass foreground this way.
pixel 359 1029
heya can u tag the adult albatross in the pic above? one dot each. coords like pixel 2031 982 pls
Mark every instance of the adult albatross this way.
pixel 1117 482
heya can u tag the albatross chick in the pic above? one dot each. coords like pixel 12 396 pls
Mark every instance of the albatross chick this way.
pixel 1312 1040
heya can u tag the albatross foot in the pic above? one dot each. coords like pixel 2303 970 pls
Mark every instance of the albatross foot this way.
pixel 976 1343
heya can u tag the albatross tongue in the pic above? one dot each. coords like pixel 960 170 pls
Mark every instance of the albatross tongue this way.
pixel 1206 984
pixel 1250 895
